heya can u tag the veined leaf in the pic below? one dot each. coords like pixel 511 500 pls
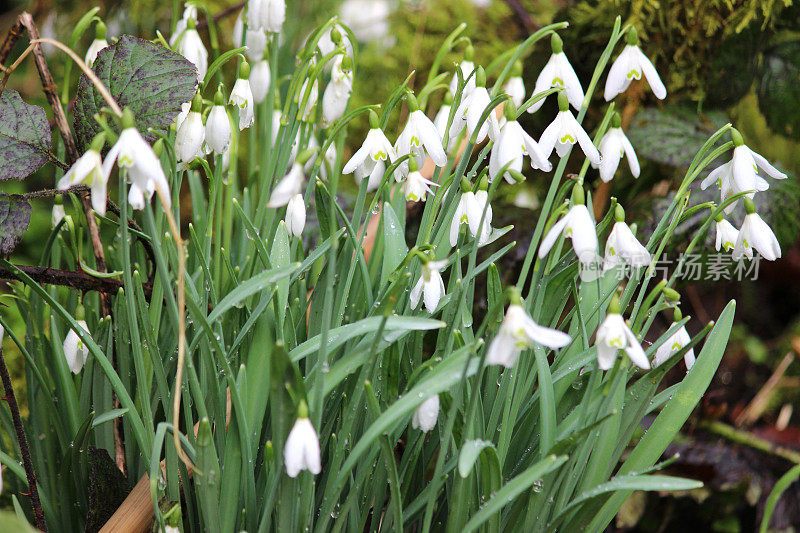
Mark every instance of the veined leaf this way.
pixel 24 137
pixel 15 214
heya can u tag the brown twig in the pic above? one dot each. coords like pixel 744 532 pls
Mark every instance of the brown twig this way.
pixel 228 11
pixel 11 40
pixel 70 278
pixel 22 440
pixel 523 18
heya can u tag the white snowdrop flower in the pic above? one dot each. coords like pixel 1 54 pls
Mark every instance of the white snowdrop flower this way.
pixel 623 247
pixel 369 161
pixel 565 131
pixel 613 146
pixel 368 19
pixel 418 138
pixel 296 215
pixel 337 93
pixel 630 65
pixel 75 351
pixel 473 106
pixel 674 344
pixel 191 133
pixel 189 12
pixel 144 171
pixel 255 39
pixel 425 416
pixel 469 211
pixel 515 89
pixel 726 235
pixel 429 286
pixel 98 43
pixel 301 451
pixel 332 38
pixel 267 15
pixel 755 234
pixel 558 73
pixel 511 145
pixel 242 97
pixel 218 126
pixel 184 112
pixel 441 119
pixel 57 215
pixel 519 332
pixel 306 112
pixel 88 170
pixel 416 187
pixel 289 186
pixel 260 79
pixel 578 226
pixel 190 46
pixel 740 174
pixel 467 67
pixel 613 335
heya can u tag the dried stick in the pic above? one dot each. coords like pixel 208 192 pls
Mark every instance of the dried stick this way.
pixel 24 450
pixel 68 278
pixel 11 40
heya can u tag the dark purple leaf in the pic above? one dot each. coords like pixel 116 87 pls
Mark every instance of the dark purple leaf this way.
pixel 15 214
pixel 24 137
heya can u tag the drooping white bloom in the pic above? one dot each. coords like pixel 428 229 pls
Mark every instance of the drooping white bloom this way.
pixel 296 215
pixel 469 211
pixel 305 112
pixel 75 351
pixel 190 46
pixel 756 234
pixel 472 108
pixel 190 137
pixel 673 345
pixel 515 88
pixel 327 46
pixel 88 170
pixel 519 332
pixel 630 65
pixel 425 416
pixel 613 146
pixel 184 112
pixel 565 131
pixel 260 79
pixel 430 286
pixel 726 235
pixel 614 334
pixel 578 226
pixel 418 138
pixel 255 39
pixel 267 15
pixel 302 451
pixel 466 67
pixel 369 19
pixel 511 145
pixel 337 93
pixel 740 174
pixel 189 12
pixel 218 129
pixel 369 161
pixel 623 247
pixel 94 48
pixel 288 187
pixel 416 187
pixel 58 214
pixel 558 73
pixel 242 97
pixel 145 174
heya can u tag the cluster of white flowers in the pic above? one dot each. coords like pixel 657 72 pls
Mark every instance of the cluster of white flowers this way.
pixel 739 176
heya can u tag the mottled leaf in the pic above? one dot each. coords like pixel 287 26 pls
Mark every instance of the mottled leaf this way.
pixel 779 91
pixel 672 136
pixel 24 137
pixel 15 214
pixel 149 78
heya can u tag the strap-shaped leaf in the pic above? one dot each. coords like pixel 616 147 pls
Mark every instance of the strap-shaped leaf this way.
pixel 24 137
pixel 150 79
pixel 15 214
